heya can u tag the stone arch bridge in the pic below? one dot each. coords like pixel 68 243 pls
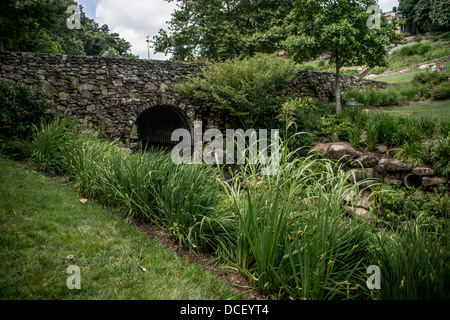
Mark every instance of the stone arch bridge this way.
pixel 114 94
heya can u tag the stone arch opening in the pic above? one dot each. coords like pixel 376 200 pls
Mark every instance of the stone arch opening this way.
pixel 156 125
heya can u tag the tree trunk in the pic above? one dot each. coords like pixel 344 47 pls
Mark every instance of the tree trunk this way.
pixel 338 85
pixel 1 39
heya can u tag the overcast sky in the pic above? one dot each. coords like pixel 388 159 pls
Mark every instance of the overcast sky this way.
pixel 134 20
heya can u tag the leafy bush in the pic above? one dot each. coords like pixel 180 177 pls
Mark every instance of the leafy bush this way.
pixel 441 92
pixel 378 70
pixel 424 48
pixel 307 116
pixel 415 49
pixel 399 204
pixel 444 36
pixel 22 108
pixel 307 67
pixel 244 87
pixel 433 78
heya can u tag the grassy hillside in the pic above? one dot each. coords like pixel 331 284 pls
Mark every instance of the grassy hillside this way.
pixel 44 229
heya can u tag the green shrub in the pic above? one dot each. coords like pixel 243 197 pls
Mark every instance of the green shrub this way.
pixel 400 204
pixel 307 67
pixel 22 108
pixel 371 97
pixel 244 87
pixel 415 49
pixel 406 51
pixel 424 48
pixel 433 78
pixel 441 92
pixel 378 70
pixel 307 116
pixel 444 36
pixel 372 136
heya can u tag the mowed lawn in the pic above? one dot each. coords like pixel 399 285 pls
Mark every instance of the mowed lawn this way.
pixel 408 76
pixel 438 110
pixel 44 229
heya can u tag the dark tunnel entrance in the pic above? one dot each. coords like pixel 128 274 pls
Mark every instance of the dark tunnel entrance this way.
pixel 156 125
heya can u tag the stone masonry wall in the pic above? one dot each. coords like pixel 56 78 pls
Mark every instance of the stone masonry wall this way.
pixel 111 93
pixel 108 92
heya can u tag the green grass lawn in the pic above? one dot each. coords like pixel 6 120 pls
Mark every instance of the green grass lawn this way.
pixel 439 110
pixel 44 229
pixel 407 76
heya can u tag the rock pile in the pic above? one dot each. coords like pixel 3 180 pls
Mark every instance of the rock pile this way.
pixel 381 166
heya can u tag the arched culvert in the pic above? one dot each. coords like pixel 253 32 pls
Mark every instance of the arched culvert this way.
pixel 156 125
pixel 411 180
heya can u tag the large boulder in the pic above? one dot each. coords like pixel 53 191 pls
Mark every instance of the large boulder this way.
pixel 423 171
pixel 366 160
pixel 393 165
pixel 433 181
pixel 341 151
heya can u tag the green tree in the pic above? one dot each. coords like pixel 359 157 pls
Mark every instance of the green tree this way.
pixel 223 29
pixel 41 26
pixel 429 15
pixel 340 28
pixel 25 25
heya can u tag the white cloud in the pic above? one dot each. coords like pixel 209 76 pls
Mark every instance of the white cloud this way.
pixel 387 5
pixel 134 20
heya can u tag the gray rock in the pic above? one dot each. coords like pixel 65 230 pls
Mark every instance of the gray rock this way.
pixel 366 161
pixel 345 152
pixel 423 171
pixel 434 181
pixel 394 182
pixel 359 213
pixel 382 148
pixel 394 165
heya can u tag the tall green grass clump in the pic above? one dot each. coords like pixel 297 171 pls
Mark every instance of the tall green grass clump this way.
pixel 302 199
pixel 440 155
pixel 414 264
pixel 371 97
pixel 413 153
pixel 193 207
pixel 326 257
pixel 50 142
pixel 181 199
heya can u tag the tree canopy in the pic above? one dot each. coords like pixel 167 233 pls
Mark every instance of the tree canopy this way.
pixel 429 15
pixel 339 27
pixel 223 29
pixel 41 26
